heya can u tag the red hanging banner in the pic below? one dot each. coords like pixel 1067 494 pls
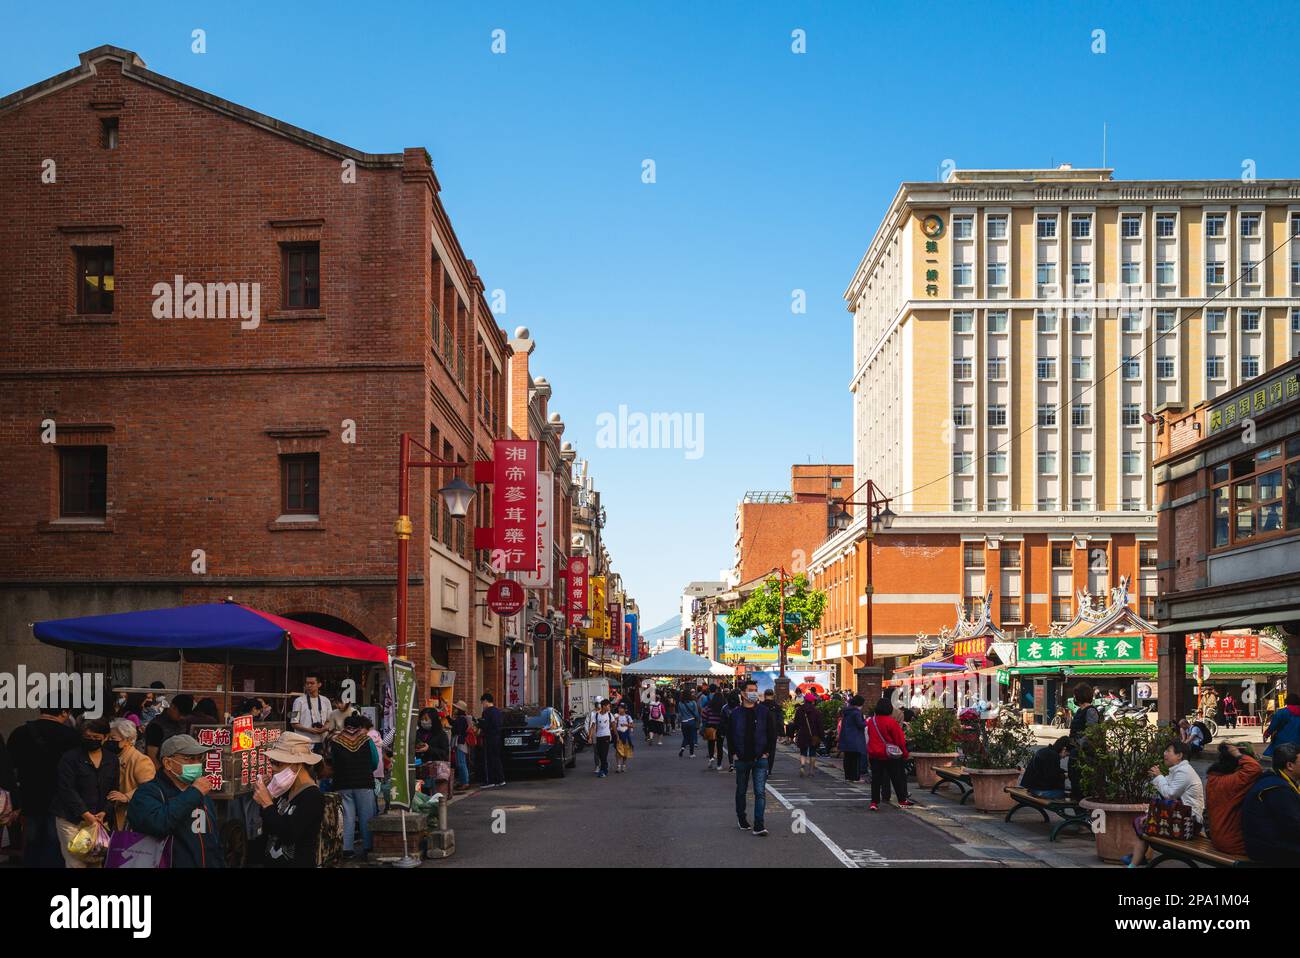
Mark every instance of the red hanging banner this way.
pixel 514 502
pixel 577 586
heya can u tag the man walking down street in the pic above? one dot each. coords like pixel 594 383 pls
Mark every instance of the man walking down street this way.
pixel 751 734
pixel 490 720
pixel 599 732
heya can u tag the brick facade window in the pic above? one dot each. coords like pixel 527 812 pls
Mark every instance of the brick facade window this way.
pixel 1061 557
pixel 1257 495
pixel 83 482
pixel 108 132
pixel 300 485
pixel 301 276
pixel 95 280
pixel 973 557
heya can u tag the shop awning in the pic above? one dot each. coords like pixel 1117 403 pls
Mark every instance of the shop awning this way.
pixel 1143 669
pixel 1149 669
pixel 203 633
pixel 1242 620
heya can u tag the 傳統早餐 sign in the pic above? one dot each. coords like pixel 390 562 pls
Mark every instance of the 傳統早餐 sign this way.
pixel 235 765
pixel 1271 394
pixel 1104 648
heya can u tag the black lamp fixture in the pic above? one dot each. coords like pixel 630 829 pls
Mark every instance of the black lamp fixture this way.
pixel 456 496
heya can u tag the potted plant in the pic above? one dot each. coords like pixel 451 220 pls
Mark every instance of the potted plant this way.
pixel 1115 763
pixel 994 754
pixel 829 710
pixel 931 741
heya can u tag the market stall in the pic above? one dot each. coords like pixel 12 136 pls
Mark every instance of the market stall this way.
pixel 226 634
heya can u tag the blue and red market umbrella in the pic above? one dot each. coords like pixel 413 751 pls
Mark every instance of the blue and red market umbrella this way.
pixel 202 633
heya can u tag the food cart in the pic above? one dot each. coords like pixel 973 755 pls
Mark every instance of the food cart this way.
pixel 226 634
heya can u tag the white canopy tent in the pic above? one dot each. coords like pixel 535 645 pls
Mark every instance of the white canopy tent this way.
pixel 678 663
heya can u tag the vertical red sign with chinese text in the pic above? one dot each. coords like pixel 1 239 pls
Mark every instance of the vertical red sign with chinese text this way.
pixel 577 586
pixel 514 502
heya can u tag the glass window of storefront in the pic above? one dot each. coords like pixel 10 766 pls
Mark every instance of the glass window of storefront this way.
pixel 1257 495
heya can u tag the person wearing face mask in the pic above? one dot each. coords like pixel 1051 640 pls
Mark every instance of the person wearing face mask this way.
pixel 751 738
pixel 293 806
pixel 87 776
pixel 171 804
pixel 134 767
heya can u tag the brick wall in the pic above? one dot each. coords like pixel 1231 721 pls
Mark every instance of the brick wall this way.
pixel 195 412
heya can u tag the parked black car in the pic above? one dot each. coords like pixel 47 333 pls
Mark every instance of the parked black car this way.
pixel 536 739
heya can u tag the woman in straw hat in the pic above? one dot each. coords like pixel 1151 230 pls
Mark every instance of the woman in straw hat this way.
pixel 293 807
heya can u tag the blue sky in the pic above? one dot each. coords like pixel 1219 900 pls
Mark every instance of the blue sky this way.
pixel 773 170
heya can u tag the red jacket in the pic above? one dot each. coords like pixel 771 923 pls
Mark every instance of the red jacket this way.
pixel 882 729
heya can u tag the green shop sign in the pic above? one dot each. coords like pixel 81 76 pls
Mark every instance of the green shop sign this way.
pixel 1278 391
pixel 1101 648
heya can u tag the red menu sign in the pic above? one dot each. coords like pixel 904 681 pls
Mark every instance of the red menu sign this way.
pixel 1217 647
pixel 577 589
pixel 514 502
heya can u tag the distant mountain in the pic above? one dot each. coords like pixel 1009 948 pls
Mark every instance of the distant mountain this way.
pixel 669 628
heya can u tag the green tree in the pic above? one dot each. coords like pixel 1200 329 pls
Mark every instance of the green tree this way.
pixel 762 612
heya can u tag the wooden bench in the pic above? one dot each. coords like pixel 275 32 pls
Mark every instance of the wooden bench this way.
pixel 1071 815
pixel 953 775
pixel 1195 852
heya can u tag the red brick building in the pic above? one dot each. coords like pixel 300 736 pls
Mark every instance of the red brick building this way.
pixel 239 439
pixel 531 418
pixel 781 529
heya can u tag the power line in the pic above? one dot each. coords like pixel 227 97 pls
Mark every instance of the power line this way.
pixel 1160 336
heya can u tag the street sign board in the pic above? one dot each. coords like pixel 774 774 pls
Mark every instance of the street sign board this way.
pixel 505 597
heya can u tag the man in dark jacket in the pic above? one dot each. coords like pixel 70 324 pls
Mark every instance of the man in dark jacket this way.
pixel 490 725
pixel 1270 815
pixel 35 749
pixel 176 804
pixel 1044 777
pixel 751 734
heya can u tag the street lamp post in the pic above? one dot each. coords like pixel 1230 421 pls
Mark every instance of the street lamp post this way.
pixel 879 516
pixel 456 495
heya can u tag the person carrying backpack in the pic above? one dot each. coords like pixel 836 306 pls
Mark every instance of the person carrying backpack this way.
pixel 1086 715
pixel 655 721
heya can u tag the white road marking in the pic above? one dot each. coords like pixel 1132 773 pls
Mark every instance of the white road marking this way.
pixel 835 850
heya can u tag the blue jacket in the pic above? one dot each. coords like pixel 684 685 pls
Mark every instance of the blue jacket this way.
pixel 853 736
pixel 689 711
pixel 1270 821
pixel 1285 727
pixel 159 808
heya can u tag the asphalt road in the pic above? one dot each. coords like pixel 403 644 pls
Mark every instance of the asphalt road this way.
pixel 670 811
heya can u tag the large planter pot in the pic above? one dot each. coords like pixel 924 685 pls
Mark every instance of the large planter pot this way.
pixel 990 787
pixel 925 763
pixel 1115 837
